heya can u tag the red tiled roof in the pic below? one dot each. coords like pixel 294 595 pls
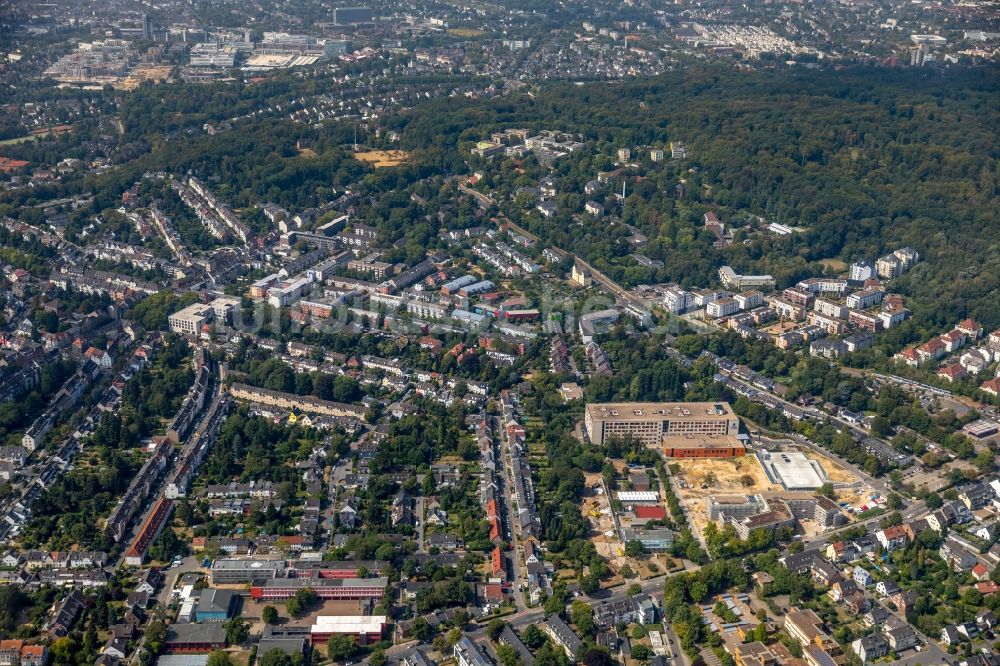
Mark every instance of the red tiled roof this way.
pixel 650 512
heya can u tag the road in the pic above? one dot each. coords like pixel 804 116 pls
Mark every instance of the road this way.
pixel 915 510
pixel 203 433
pixel 484 201
pixel 418 511
pixel 188 564
pixel 519 581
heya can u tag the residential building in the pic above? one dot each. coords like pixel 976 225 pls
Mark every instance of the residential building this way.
pixel 467 653
pixel 871 647
pixel 563 636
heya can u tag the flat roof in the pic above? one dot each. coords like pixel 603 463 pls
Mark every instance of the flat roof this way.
pixel 348 624
pixel 644 411
pixel 639 496
pixel 793 469
pixel 209 632
pixel 310 581
pixel 182 660
pixel 289 646
pixel 247 565
pixel 698 441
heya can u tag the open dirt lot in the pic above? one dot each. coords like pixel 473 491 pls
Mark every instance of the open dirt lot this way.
pixel 146 73
pixel 781 327
pixel 721 476
pixel 383 158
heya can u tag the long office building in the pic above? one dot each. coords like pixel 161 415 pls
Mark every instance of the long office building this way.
pixel 231 572
pixel 325 588
pixel 651 422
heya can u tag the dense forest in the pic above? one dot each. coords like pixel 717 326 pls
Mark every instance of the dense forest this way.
pixel 865 161
pixel 861 160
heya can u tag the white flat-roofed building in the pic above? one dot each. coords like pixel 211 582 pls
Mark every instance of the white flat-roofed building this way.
pixel 862 300
pixel 749 300
pixel 677 300
pixel 722 308
pixel 862 270
pixel 189 320
pixel 223 306
pixel 792 470
pixel 829 308
pixel 287 292
pixel 213 55
pixel 259 288
pixel 930 40
pixel 733 280
pixel 364 627
pixel 639 496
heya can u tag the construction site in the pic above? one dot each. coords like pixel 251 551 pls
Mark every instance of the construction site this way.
pixel 696 480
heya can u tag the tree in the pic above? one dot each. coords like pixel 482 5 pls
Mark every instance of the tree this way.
pixel 421 630
pixel 826 490
pixel 508 656
pixel 377 658
pixel 236 631
pixel 934 501
pixel 219 658
pixel 893 501
pixel 302 601
pixel 597 657
pixel 641 652
pixel 156 632
pixel 269 614
pixel 633 548
pixel 494 628
pixel 533 637
pixel 985 461
pixel 590 584
pixel 583 617
pixel 341 647
pixel 275 657
pixel 633 589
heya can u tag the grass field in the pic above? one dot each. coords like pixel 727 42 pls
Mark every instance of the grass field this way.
pixel 464 32
pixel 383 158
pixel 21 139
pixel 834 264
